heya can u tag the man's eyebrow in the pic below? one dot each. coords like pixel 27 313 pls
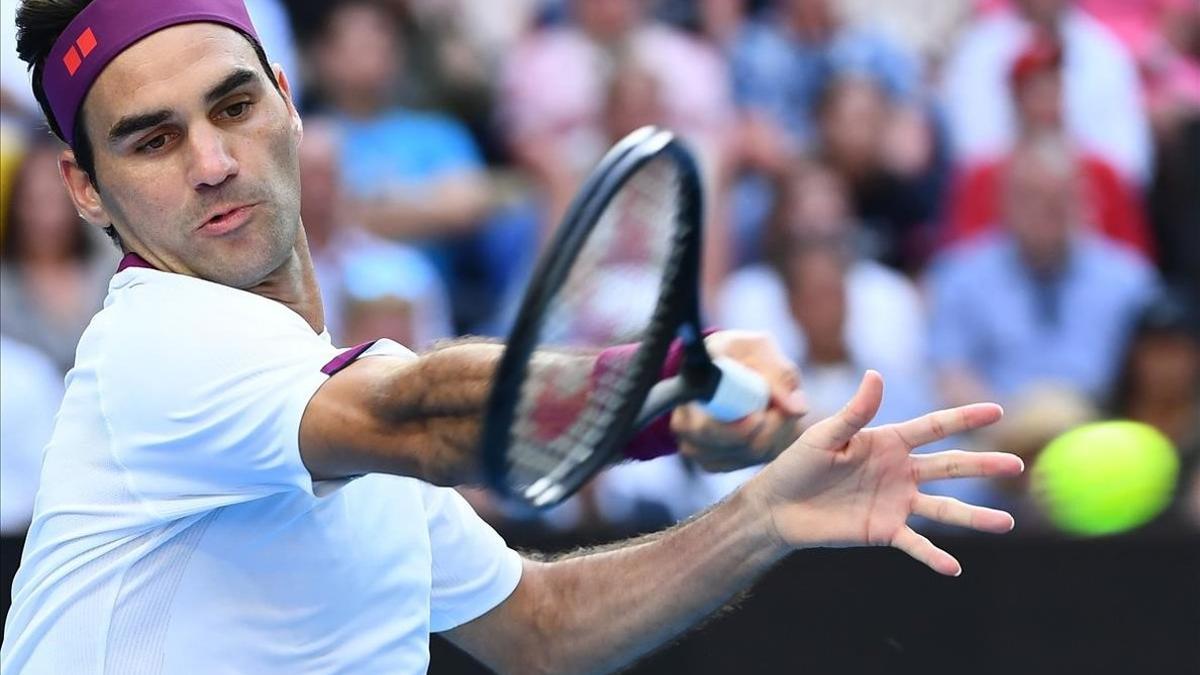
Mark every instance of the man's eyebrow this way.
pixel 132 124
pixel 234 80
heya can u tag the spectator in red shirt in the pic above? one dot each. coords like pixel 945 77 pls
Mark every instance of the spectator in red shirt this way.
pixel 1110 203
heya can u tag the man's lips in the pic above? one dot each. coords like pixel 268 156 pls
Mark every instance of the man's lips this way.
pixel 227 221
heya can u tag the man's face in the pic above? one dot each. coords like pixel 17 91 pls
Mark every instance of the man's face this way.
pixel 1040 208
pixel 359 55
pixel 196 155
pixel 1039 101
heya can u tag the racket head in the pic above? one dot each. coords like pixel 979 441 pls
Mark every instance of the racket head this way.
pixel 539 457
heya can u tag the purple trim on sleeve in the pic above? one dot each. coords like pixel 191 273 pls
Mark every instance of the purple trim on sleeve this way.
pixel 133 260
pixel 656 440
pixel 346 358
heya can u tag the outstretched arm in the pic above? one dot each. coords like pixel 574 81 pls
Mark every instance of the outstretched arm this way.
pixel 838 485
pixel 422 417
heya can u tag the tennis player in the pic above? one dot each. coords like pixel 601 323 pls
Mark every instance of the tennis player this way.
pixel 227 492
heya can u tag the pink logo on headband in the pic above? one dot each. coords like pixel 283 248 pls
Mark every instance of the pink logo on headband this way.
pixel 84 44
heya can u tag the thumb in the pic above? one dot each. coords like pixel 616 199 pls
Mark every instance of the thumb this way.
pixel 837 430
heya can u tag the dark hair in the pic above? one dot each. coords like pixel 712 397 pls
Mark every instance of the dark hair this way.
pixel 39 23
pixel 1168 312
pixel 16 233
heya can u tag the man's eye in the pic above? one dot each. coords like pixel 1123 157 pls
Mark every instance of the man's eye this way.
pixel 237 109
pixel 155 143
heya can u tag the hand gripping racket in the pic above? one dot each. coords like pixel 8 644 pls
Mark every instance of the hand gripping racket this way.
pixel 623 268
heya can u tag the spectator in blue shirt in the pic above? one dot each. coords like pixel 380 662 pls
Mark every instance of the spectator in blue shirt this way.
pixel 1041 301
pixel 782 63
pixel 413 175
pixel 410 176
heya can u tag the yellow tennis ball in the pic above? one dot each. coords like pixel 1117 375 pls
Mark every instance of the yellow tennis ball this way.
pixel 1106 477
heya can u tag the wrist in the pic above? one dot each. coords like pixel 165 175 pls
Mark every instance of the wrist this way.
pixel 757 520
pixel 656 439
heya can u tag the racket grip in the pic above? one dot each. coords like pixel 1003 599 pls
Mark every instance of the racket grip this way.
pixel 740 392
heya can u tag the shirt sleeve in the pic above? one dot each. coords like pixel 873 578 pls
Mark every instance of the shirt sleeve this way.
pixel 473 569
pixel 204 397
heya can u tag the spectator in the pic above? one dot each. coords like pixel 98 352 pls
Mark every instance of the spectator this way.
pixel 885 151
pixel 323 210
pixel 1099 75
pixel 392 291
pixel 1109 202
pixel 924 27
pixel 1173 71
pixel 1040 300
pixel 371 288
pixel 766 297
pixel 1159 382
pixel 783 62
pixel 412 176
pixel 556 82
pixel 55 271
pixel 30 392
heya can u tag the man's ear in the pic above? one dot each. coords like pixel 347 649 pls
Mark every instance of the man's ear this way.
pixel 83 192
pixel 286 88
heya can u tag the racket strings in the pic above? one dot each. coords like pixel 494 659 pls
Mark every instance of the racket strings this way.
pixel 565 408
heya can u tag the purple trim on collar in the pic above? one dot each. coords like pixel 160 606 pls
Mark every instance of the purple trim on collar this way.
pixel 346 358
pixel 133 260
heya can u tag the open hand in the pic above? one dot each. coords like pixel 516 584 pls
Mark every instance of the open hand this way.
pixel 842 485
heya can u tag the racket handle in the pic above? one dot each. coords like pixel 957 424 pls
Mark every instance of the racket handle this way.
pixel 740 392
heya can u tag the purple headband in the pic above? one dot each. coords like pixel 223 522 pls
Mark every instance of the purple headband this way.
pixel 104 29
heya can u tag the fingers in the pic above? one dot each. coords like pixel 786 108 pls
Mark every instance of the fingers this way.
pixel 963 464
pixel 938 425
pixel 716 446
pixel 837 430
pixel 951 511
pixel 923 550
pixel 785 390
pixel 761 353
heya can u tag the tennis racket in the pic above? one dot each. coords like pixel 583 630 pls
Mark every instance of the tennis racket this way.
pixel 623 268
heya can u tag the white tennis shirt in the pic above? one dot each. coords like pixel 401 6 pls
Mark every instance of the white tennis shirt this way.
pixel 177 531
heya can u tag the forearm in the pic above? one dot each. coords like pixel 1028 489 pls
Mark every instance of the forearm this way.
pixel 424 417
pixel 604 610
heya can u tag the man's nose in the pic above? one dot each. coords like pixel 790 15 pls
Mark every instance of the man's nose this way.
pixel 212 163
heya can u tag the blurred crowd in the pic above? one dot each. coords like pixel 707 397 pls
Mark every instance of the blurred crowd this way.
pixel 982 199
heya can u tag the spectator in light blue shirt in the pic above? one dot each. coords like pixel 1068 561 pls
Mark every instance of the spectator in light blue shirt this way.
pixel 1045 300
pixel 412 177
